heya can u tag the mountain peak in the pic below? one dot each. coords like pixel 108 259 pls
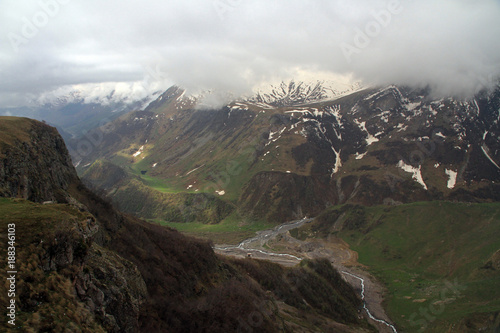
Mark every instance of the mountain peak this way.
pixel 294 92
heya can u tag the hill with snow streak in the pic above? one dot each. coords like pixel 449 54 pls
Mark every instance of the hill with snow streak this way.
pixel 378 145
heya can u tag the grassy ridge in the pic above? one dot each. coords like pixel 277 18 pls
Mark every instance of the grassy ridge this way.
pixel 434 258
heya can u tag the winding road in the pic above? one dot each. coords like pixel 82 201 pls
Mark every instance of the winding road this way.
pixel 337 251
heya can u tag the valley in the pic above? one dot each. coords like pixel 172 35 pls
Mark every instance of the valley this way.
pixel 392 259
pixel 277 163
pixel 335 250
pixel 84 266
pixel 386 172
pixel 250 166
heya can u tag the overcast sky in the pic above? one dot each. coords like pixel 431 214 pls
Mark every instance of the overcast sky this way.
pixel 233 45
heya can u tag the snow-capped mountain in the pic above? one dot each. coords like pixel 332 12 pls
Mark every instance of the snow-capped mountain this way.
pixel 301 92
pixel 77 111
pixel 372 146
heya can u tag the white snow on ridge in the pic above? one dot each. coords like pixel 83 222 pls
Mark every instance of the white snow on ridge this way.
pixel 379 92
pixel 318 113
pixel 271 136
pixel 453 178
pixel 370 138
pixel 333 110
pixel 300 111
pixel 359 156
pixel 305 89
pixel 338 161
pixel 402 127
pixel 413 106
pixel 417 174
pixel 194 170
pixel 477 107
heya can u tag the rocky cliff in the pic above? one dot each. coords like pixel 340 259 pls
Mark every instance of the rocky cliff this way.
pixel 34 161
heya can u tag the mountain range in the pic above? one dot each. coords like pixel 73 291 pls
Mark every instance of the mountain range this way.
pixel 408 180
pixel 285 159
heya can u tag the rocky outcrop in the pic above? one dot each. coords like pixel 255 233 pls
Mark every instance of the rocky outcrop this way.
pixel 34 163
pixel 113 289
pixel 110 287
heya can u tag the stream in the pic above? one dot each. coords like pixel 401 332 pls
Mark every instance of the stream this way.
pixel 364 303
pixel 254 247
pixel 250 245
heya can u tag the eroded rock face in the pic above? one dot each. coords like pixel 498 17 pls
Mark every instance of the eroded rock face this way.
pixel 37 168
pixel 113 289
pixel 109 286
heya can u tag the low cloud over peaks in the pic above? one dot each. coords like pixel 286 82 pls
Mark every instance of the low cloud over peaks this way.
pixel 236 45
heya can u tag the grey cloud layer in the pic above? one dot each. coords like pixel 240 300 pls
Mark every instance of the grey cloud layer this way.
pixel 234 44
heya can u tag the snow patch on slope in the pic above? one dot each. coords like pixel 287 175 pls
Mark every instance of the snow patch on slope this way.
pixel 417 174
pixel 369 138
pixel 359 156
pixel 338 161
pixel 453 178
pixel 272 134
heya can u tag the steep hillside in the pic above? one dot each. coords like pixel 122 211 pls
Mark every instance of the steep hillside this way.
pixel 26 147
pixel 374 146
pixel 82 266
pixel 64 280
pixel 131 195
pixel 438 260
